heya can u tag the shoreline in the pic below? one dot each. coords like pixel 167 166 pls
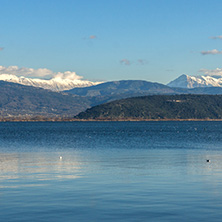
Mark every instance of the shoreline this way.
pixel 103 120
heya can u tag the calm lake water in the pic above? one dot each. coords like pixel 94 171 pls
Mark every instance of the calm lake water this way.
pixel 111 171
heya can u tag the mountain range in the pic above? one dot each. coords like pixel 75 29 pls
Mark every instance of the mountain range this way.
pixel 62 84
pixel 18 99
pixel 109 91
pixel 54 84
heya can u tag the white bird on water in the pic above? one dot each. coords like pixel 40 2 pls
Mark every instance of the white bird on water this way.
pixel 60 157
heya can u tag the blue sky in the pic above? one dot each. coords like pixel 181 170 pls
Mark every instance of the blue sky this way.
pixel 154 40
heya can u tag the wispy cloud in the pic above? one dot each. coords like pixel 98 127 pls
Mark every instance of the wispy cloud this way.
pixel 170 70
pixel 38 73
pixel 1 48
pixel 92 36
pixel 212 72
pixel 128 62
pixel 211 52
pixel 216 37
pixel 125 62
pixel 142 61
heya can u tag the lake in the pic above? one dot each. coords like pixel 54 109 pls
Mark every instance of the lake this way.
pixel 110 171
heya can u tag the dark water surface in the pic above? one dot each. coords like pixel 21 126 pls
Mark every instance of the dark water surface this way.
pixel 111 171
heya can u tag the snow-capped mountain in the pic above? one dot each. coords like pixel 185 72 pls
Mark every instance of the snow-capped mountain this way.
pixel 185 81
pixel 54 84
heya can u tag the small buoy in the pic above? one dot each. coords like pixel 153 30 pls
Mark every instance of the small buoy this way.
pixel 60 157
pixel 208 161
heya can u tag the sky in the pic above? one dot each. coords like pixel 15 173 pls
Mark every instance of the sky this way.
pixel 106 40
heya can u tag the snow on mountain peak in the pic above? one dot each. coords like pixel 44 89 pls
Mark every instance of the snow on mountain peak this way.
pixel 44 78
pixel 62 81
pixel 186 81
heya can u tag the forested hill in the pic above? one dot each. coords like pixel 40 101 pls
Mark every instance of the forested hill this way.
pixel 158 107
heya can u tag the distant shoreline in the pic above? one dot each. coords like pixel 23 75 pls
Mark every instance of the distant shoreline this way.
pixel 102 120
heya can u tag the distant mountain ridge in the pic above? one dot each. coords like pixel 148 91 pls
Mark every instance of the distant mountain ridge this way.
pixel 19 100
pixel 54 84
pixel 120 87
pixel 109 91
pixel 83 87
pixel 186 81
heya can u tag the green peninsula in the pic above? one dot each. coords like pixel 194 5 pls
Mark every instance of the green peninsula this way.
pixel 177 107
